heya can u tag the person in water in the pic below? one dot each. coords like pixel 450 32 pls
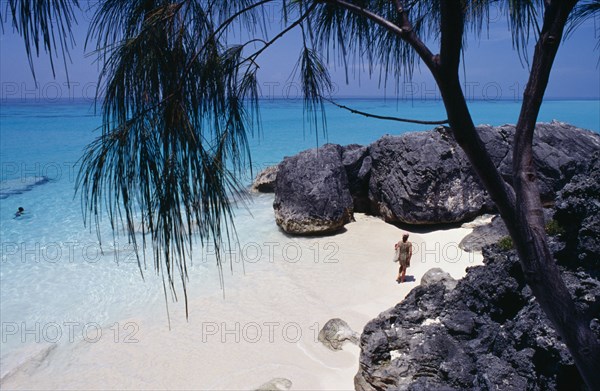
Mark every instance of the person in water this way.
pixel 404 252
pixel 20 212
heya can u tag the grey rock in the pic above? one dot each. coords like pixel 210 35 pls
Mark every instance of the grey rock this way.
pixel 491 233
pixel 417 178
pixel 484 235
pixel 335 333
pixel 424 178
pixel 489 332
pixel 265 180
pixel 436 275
pixel 578 213
pixel 312 194
pixel 276 384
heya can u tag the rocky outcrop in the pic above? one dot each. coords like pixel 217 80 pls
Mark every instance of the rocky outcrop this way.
pixel 265 180
pixel 357 162
pixel 485 234
pixel 312 194
pixel 489 331
pixel 424 178
pixel 578 213
pixel 491 233
pixel 335 333
pixel 417 178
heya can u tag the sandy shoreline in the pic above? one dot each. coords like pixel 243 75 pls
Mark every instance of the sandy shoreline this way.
pixel 268 324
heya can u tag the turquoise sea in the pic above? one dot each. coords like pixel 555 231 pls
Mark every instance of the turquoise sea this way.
pixel 56 282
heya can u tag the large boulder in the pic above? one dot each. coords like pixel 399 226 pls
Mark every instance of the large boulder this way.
pixel 424 178
pixel 560 151
pixel 312 194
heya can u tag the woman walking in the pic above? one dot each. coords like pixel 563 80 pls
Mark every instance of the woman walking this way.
pixel 404 253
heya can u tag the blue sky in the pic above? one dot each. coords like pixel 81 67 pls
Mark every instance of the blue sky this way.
pixel 493 70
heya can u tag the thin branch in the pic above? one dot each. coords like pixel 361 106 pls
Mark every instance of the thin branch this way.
pixel 387 118
pixel 253 56
pixel 370 15
pixel 414 41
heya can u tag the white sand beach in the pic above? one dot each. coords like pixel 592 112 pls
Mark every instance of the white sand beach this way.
pixel 267 325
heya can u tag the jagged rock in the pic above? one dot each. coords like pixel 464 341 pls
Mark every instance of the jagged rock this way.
pixel 417 178
pixel 276 384
pixel 265 180
pixel 435 275
pixel 578 213
pixel 335 333
pixel 489 332
pixel 424 178
pixel 312 195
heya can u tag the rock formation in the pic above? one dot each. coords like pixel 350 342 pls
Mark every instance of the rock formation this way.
pixel 489 331
pixel 415 178
pixel 312 194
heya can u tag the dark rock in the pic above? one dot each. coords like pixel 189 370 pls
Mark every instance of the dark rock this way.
pixel 424 178
pixel 357 163
pixel 489 332
pixel 312 194
pixel 578 213
pixel 418 178
pixel 265 180
pixel 335 333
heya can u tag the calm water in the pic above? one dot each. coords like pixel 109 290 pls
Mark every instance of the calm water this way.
pixel 52 271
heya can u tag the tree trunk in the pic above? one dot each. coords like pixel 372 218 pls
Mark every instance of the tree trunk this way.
pixel 524 215
pixel 540 269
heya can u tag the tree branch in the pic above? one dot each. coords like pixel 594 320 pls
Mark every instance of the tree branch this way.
pixel 387 118
pixel 405 31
